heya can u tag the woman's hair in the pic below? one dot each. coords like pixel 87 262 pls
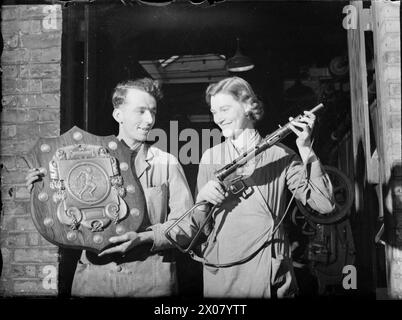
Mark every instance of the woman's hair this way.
pixel 153 87
pixel 241 91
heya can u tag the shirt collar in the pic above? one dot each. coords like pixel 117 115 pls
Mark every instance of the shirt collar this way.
pixel 143 157
pixel 246 140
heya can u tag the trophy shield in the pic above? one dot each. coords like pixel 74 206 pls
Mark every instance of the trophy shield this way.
pixel 88 193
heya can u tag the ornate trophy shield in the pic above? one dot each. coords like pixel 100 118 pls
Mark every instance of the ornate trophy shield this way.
pixel 88 193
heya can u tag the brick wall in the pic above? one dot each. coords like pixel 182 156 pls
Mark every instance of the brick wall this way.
pixel 388 79
pixel 30 109
pixel 390 60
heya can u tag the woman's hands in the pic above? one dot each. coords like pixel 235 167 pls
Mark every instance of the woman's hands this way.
pixel 212 192
pixel 303 128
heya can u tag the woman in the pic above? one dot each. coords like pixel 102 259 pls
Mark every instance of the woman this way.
pixel 244 222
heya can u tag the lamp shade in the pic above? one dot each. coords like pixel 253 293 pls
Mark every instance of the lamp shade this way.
pixel 239 62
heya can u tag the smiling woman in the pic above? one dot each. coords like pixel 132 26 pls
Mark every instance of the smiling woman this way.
pixel 234 106
pixel 247 223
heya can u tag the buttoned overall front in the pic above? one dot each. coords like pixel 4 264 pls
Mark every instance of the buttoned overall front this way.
pixel 146 270
pixel 245 222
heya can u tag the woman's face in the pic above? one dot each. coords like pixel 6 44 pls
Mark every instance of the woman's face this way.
pixel 230 115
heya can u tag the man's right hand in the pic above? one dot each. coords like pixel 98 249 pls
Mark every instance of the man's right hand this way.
pixel 34 175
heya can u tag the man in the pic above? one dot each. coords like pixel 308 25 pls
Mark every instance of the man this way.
pixel 243 226
pixel 136 266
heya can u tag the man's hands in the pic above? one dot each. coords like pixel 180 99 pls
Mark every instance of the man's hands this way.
pixel 303 128
pixel 129 240
pixel 34 175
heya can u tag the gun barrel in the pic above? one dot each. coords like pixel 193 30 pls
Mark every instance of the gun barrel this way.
pixel 317 107
pixel 267 142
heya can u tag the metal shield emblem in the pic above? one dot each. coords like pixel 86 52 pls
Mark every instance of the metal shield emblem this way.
pixel 83 199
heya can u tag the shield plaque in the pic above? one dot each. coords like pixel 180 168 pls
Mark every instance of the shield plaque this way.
pixel 88 193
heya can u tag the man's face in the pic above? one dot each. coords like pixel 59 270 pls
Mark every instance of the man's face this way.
pixel 136 116
pixel 229 115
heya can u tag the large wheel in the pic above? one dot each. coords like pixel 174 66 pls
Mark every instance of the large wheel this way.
pixel 343 196
pixel 307 227
pixel 339 66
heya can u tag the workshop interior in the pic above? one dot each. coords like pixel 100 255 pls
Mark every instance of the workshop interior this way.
pixel 295 54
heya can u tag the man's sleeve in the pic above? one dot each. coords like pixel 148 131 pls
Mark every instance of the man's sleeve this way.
pixel 180 201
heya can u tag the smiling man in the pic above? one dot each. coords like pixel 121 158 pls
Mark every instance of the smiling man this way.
pixel 135 111
pixel 138 265
pixel 244 223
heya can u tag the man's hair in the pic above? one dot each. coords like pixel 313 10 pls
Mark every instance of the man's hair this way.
pixel 153 87
pixel 241 91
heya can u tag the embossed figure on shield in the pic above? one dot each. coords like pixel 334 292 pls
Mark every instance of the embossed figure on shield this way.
pixel 85 181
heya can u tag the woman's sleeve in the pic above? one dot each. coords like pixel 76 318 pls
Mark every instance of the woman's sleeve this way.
pixel 311 185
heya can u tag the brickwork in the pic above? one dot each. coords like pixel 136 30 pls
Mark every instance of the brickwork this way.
pixel 30 109
pixel 389 61
pixel 388 66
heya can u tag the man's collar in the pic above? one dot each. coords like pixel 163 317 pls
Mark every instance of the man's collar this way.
pixel 145 151
pixel 138 146
pixel 144 155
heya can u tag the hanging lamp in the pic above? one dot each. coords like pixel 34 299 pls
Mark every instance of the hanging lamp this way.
pixel 239 62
